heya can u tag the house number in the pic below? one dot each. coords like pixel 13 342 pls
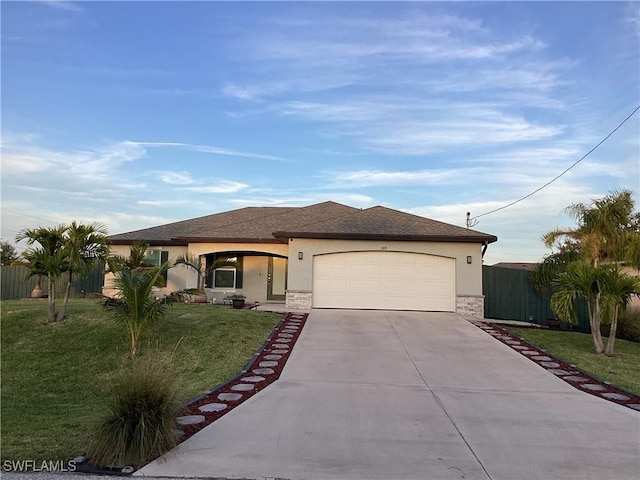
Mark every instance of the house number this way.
pixel 383 248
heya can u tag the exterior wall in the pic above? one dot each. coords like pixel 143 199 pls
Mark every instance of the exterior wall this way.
pixel 176 276
pixel 254 283
pixel 632 272
pixel 468 276
pixel 255 268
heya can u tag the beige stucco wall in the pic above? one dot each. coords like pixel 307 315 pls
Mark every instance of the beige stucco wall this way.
pixel 254 282
pixel 204 248
pixel 635 301
pixel 177 277
pixel 255 269
pixel 468 276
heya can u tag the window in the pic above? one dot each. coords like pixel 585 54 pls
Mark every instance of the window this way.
pixel 225 276
pixel 155 258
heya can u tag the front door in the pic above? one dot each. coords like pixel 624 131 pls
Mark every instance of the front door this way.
pixel 277 279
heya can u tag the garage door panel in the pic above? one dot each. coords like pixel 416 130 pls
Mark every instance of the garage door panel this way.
pixel 384 280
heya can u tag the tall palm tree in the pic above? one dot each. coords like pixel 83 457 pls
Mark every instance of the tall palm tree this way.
pixel 606 229
pixel 134 305
pixel 586 281
pixel 49 256
pixel 84 244
pixel 615 299
pixel 607 291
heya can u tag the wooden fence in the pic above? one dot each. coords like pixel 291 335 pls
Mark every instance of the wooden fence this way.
pixel 15 285
pixel 509 295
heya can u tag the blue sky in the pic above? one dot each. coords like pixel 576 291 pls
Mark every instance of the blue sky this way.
pixel 136 114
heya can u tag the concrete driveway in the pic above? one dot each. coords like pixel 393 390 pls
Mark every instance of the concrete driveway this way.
pixel 409 395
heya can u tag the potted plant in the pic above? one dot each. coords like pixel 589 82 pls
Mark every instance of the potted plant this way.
pixel 553 323
pixel 236 300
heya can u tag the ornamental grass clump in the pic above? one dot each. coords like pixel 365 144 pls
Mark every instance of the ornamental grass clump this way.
pixel 141 421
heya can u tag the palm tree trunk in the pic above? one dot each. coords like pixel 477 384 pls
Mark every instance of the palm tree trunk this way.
pixel 63 309
pixel 595 321
pixel 612 334
pixel 52 300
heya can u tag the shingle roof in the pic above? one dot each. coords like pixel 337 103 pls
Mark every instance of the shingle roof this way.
pixel 322 220
pixel 385 223
pixel 250 224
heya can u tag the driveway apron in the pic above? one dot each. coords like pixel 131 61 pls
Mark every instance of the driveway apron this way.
pixel 411 395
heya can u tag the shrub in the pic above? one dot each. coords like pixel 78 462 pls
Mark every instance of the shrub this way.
pixel 628 326
pixel 141 420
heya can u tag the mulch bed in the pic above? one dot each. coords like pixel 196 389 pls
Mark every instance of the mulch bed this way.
pixel 569 373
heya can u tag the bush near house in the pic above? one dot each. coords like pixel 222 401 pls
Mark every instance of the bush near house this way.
pixel 628 326
pixel 55 377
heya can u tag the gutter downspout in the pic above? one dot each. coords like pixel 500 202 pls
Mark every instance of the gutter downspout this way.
pixel 485 245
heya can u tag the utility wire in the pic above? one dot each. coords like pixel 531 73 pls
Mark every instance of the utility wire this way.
pixel 30 216
pixel 558 176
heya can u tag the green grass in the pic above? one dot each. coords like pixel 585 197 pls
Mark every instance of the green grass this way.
pixel 622 370
pixel 55 377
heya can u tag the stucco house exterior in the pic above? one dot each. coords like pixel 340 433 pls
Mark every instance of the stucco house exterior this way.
pixel 326 255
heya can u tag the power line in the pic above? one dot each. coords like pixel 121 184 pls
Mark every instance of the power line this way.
pixel 30 216
pixel 558 176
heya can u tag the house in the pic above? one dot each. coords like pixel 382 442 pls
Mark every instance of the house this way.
pixel 528 266
pixel 326 255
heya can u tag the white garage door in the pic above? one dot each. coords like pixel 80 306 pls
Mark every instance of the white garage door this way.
pixel 384 280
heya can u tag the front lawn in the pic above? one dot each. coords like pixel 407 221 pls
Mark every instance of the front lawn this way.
pixel 54 377
pixel 622 370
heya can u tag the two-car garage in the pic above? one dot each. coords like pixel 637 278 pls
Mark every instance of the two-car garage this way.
pixel 385 280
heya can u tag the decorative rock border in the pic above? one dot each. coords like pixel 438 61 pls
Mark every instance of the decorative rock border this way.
pixel 569 373
pixel 264 369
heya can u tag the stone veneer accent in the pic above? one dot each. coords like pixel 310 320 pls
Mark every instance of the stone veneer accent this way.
pixel 298 300
pixel 470 306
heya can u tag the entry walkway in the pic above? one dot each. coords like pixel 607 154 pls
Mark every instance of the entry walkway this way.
pixel 408 395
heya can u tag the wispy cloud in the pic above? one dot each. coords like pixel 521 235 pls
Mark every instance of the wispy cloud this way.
pixel 176 178
pixel 162 203
pixel 24 156
pixel 296 199
pixel 402 126
pixel 207 149
pixel 226 186
pixel 63 5
pixel 462 83
pixel 371 178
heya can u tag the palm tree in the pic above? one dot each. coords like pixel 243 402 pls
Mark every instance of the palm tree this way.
pixel 607 291
pixel 135 260
pixel 581 280
pixel 194 262
pixel 49 258
pixel 607 230
pixel 134 305
pixel 615 299
pixel 84 244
